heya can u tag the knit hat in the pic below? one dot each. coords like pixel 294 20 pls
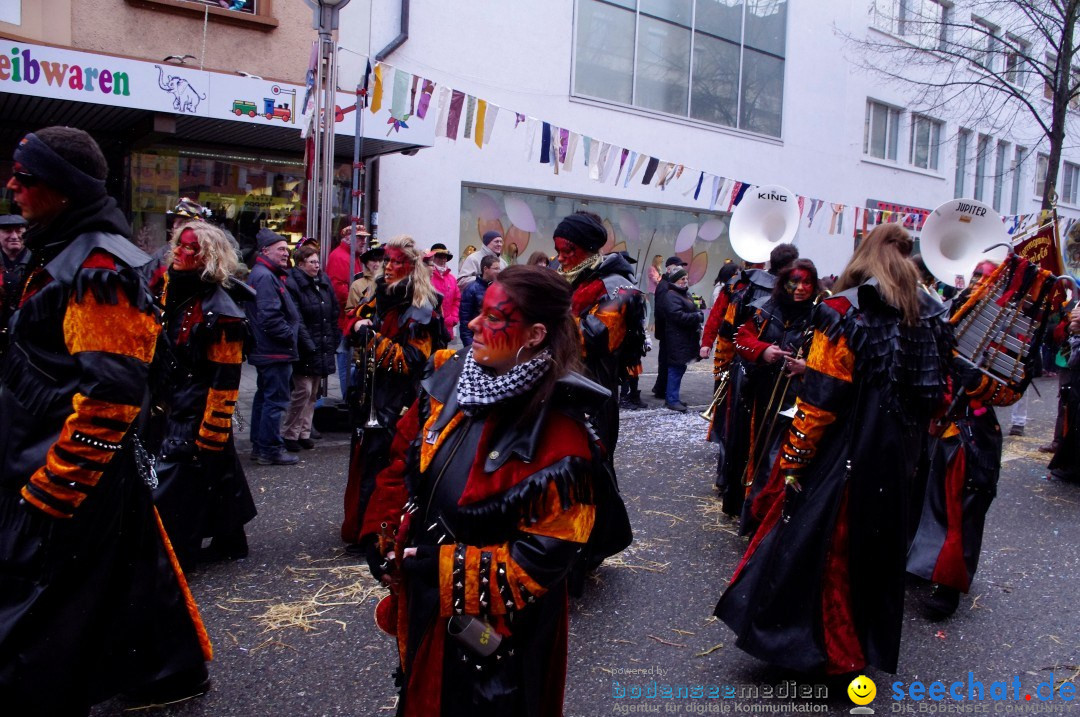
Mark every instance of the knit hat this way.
pixel 12 220
pixel 583 230
pixel 267 238
pixel 676 275
pixel 75 167
pixel 489 237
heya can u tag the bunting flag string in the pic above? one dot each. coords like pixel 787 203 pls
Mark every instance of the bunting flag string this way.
pixel 458 113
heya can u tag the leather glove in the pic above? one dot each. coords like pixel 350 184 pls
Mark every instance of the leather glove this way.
pixel 378 564
pixel 424 566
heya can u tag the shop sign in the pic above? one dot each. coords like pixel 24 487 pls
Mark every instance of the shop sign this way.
pixel 915 215
pixel 42 71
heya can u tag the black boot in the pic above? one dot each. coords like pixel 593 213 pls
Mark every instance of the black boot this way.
pixel 943 602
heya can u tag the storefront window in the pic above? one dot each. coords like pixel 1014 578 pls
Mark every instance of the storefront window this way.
pixel 245 193
pixel 527 221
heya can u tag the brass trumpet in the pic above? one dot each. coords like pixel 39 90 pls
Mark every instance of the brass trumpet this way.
pixel 718 396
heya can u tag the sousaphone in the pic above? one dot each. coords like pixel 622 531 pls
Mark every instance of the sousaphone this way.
pixel 767 215
pixel 958 235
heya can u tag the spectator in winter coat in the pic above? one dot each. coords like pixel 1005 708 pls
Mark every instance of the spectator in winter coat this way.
pixel 682 327
pixel 470 266
pixel 445 283
pixel 473 297
pixel 275 323
pixel 318 341
pixel 672 265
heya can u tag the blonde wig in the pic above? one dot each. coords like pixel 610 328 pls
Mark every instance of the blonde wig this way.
pixel 215 250
pixel 423 292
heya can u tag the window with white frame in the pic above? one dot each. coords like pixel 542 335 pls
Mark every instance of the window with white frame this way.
pixel 963 139
pixel 925 140
pixel 1051 64
pixel 984 43
pixel 1042 166
pixel 1070 178
pixel 924 22
pixel 1017 176
pixel 1015 52
pixel 999 174
pixel 718 61
pixel 882 130
pixel 982 158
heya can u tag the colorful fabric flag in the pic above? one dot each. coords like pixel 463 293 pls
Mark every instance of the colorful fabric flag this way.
pixel 622 163
pixel 453 119
pixel 412 95
pixel 607 160
pixel 531 126
pixel 564 138
pixel 518 119
pixel 399 103
pixel 489 121
pixel 592 157
pixel 836 224
pixel 545 144
pixel 470 115
pixel 714 195
pixel 443 113
pixel 650 169
pixel 425 99
pixel 376 94
pixel 572 141
pixel 481 115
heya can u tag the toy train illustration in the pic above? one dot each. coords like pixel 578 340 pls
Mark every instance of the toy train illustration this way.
pixel 271 109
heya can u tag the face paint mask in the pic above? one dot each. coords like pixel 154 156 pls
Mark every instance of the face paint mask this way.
pixel 799 285
pixel 398 265
pixel 570 254
pixel 188 254
pixel 499 331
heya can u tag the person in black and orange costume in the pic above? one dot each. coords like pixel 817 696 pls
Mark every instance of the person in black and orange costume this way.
pixel 746 288
pixel 770 346
pixel 964 459
pixel 398 330
pixel 202 490
pixel 821 586
pixel 609 310
pixel 493 489
pixel 92 602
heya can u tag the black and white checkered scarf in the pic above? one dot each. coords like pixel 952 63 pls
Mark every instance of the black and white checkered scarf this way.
pixel 479 386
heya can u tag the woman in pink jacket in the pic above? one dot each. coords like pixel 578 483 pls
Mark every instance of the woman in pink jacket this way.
pixel 445 283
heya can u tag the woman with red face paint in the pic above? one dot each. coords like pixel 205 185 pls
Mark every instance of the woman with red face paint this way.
pixel 202 491
pixel 398 329
pixel 501 484
pixel 821 586
pixel 771 352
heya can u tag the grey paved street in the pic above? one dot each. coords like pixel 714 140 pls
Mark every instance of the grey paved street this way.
pixel 293 630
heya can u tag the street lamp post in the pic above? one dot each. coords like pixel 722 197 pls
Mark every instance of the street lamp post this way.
pixel 320 188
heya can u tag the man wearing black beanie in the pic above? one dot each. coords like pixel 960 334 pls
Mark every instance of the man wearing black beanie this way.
pixel 90 604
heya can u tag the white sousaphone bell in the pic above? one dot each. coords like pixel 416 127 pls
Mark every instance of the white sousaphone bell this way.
pixel 958 235
pixel 767 215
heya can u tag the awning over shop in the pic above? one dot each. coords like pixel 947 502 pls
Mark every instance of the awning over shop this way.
pixel 42 85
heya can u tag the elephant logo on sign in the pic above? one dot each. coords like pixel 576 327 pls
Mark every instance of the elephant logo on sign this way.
pixel 185 97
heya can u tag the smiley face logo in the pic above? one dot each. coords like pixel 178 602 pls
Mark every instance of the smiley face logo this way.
pixel 862 690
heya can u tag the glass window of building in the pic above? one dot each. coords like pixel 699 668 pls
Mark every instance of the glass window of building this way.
pixel 1070 178
pixel 925 140
pixel 245 193
pixel 984 43
pixel 882 130
pixel 1042 166
pixel 982 157
pixel 1017 174
pixel 1015 53
pixel 718 61
pixel 963 139
pixel 999 173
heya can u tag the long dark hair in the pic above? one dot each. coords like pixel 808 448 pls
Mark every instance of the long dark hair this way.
pixel 543 297
pixel 780 292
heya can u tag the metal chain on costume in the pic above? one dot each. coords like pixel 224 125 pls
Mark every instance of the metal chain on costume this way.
pixel 144 462
pixel 238 419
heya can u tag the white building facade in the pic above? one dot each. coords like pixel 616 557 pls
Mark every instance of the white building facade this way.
pixel 720 93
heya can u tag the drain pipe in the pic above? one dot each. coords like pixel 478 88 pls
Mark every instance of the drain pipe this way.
pixel 403 34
